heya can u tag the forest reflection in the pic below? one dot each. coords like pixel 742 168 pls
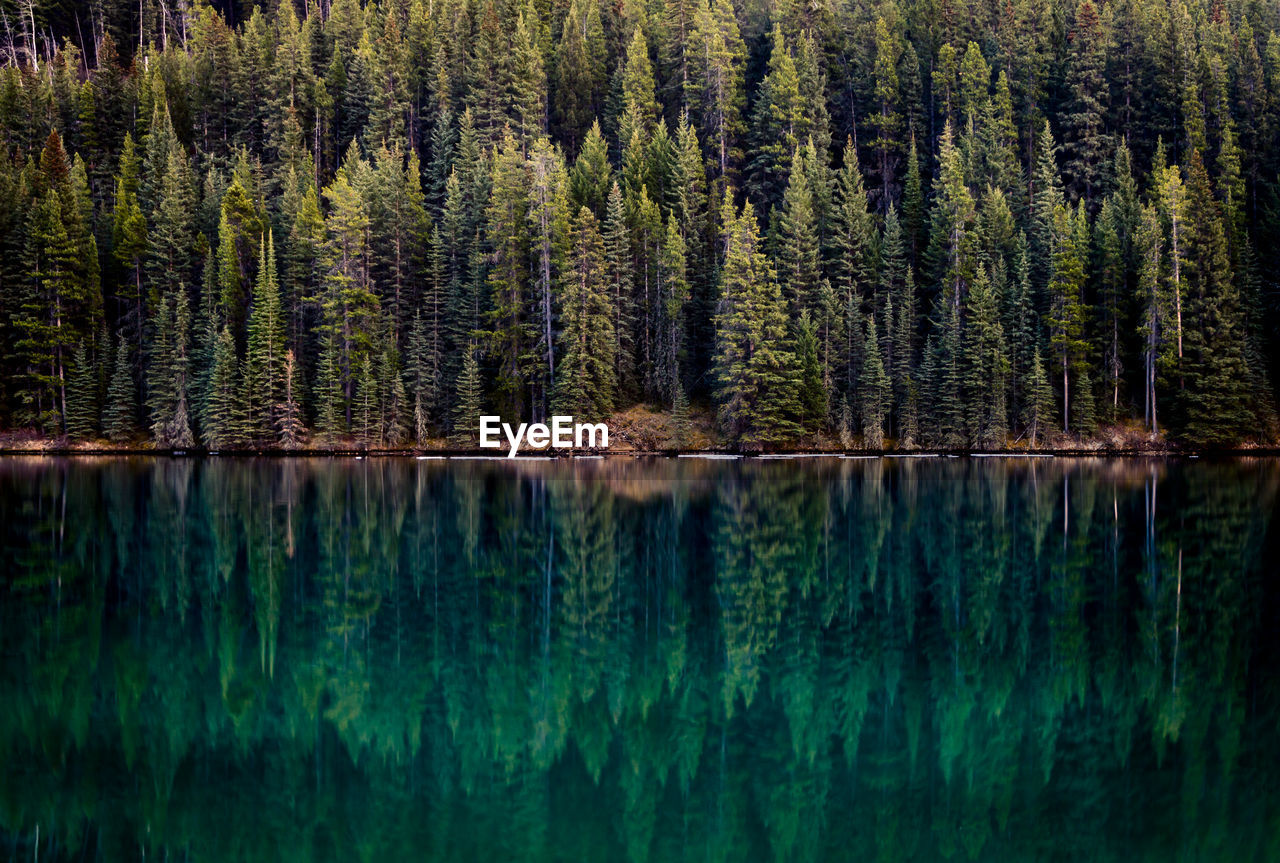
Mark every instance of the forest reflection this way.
pixel 631 659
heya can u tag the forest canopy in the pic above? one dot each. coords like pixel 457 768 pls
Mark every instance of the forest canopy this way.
pixel 897 223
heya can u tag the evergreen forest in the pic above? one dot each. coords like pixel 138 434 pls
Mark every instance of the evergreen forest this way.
pixel 955 224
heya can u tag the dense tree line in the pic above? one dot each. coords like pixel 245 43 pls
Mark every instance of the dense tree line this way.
pixel 672 661
pixel 923 224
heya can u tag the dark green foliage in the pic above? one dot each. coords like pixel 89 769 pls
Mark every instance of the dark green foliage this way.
pixel 82 396
pixel 420 169
pixel 757 373
pixel 585 383
pixel 222 420
pixel 875 390
pixel 467 403
pixel 119 415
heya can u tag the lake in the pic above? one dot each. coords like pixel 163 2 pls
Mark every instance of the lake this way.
pixel 1002 659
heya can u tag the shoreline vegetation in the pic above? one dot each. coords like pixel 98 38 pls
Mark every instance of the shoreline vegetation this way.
pixel 654 433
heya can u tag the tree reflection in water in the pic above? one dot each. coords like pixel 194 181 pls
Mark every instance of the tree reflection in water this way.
pixel 327 659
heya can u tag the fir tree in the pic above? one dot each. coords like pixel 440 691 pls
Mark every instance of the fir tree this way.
pixel 293 430
pixel 620 278
pixel 1037 415
pixel 585 383
pixel 222 419
pixel 1084 141
pixel 875 390
pixel 366 408
pixel 813 392
pixel 264 360
pixel 1066 311
pixel 756 370
pixel 82 396
pixel 680 417
pixel 119 415
pixel 328 397
pixel 468 403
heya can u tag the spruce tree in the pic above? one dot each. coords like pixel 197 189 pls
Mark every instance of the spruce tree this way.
pixel 797 243
pixel 222 419
pixel 986 367
pixel 620 278
pixel 1066 317
pixel 329 398
pixel 82 396
pixel 293 430
pixel 585 384
pixel 756 370
pixel 1037 417
pixel 366 407
pixel 813 391
pixel 1085 144
pixel 119 415
pixel 264 360
pixel 852 255
pixel 875 390
pixel 467 403
pixel 1215 402
pixel 680 416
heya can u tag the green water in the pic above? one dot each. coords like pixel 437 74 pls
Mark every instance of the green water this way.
pixel 639 660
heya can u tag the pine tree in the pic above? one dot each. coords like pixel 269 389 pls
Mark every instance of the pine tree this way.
pixel 1066 317
pixel 82 396
pixel 913 209
pixel 1085 143
pixel 511 336
pixel 756 371
pixel 161 393
pixel 844 424
pixel 329 398
pixel 423 369
pixel 468 403
pixel 673 293
pixel 591 177
pixel 986 366
pixel 548 227
pixel 580 71
pixel 797 242
pixel 293 430
pixel 222 420
pixel 620 278
pixel 1148 245
pixel 875 390
pixel 178 432
pixel 119 415
pixel 528 77
pixel 264 361
pixel 366 407
pixel 813 391
pixel 714 90
pixel 852 253
pixel 129 246
pixel 349 307
pixel 1045 196
pixel 886 120
pixel 172 237
pixel 952 241
pixel 1215 400
pixel 777 125
pixel 1038 412
pixel 680 417
pixel 585 383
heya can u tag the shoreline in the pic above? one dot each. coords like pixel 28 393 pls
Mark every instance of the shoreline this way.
pixel 794 453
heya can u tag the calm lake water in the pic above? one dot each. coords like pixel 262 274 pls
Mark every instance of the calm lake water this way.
pixel 639 660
